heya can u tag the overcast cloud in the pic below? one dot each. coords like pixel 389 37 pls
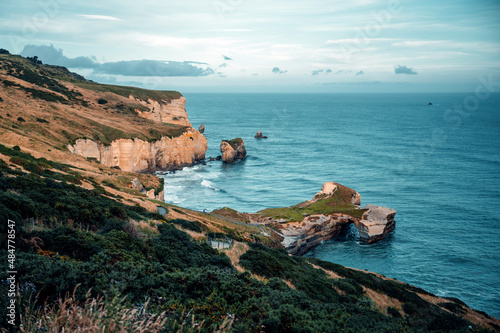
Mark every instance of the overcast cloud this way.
pixel 52 56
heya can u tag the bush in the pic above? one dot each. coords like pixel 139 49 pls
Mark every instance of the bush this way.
pixel 21 119
pixel 102 101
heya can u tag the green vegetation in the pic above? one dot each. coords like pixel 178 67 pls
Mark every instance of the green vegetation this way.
pixel 142 94
pixel 234 142
pixel 69 237
pixel 339 202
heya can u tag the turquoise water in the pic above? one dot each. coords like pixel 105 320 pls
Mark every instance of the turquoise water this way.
pixel 439 169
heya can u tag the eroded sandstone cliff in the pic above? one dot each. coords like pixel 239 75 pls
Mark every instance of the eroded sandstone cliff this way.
pixel 141 156
pixel 172 112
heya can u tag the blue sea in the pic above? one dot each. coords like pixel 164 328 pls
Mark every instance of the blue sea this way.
pixel 437 165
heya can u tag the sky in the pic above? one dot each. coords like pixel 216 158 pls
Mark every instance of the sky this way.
pixel 263 46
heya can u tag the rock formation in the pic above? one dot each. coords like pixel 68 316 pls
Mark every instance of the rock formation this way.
pixel 141 156
pixel 376 223
pixel 172 112
pixel 201 129
pixel 232 150
pixel 260 136
pixel 328 214
pixel 136 185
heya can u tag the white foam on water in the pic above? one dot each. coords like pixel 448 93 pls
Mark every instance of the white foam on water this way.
pixel 209 184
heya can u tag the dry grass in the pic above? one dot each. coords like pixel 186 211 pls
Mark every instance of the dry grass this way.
pixel 382 301
pixel 330 274
pixel 235 253
pixel 93 316
pixel 97 315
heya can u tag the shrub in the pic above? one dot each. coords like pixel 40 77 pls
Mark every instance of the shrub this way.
pixel 21 119
pixel 102 101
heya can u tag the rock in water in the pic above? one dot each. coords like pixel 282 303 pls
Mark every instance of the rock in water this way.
pixel 232 150
pixel 201 129
pixel 375 223
pixel 260 136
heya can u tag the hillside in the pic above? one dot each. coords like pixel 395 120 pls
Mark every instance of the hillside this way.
pixel 91 249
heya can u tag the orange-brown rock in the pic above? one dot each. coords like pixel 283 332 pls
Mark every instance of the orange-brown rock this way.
pixel 141 156
pixel 172 112
pixel 233 150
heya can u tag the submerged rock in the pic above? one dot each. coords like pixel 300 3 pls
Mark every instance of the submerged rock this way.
pixel 233 150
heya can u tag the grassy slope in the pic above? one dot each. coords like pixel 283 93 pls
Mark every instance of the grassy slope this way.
pixel 58 109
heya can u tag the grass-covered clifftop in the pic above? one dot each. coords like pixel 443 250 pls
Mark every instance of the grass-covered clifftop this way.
pixel 56 107
pixel 88 243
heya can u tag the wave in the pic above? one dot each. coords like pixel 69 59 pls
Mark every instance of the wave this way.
pixel 209 184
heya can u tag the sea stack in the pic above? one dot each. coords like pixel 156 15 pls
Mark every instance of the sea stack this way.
pixel 201 129
pixel 232 150
pixel 260 136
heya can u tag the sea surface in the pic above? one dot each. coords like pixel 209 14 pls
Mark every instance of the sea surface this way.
pixel 437 165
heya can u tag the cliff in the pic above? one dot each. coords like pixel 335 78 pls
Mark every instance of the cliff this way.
pixel 136 155
pixel 172 112
pixel 135 129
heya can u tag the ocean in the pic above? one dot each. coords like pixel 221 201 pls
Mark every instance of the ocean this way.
pixel 438 165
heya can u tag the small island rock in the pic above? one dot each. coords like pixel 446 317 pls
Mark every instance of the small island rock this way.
pixel 232 150
pixel 201 129
pixel 260 136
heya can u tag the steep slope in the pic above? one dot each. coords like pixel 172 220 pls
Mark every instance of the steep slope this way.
pixel 130 128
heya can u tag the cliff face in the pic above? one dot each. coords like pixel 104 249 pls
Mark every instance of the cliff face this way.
pixel 142 156
pixel 172 112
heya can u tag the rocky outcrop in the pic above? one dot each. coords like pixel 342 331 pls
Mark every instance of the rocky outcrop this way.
pixel 136 185
pixel 376 223
pixel 201 129
pixel 259 135
pixel 135 155
pixel 232 150
pixel 331 211
pixel 172 112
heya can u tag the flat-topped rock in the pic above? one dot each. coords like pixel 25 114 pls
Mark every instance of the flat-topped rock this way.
pixel 376 223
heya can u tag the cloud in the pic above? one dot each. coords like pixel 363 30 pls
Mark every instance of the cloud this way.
pixel 53 56
pixel 339 71
pixel 223 65
pixel 360 73
pixel 326 71
pixel 277 70
pixel 226 58
pixel 404 70
pixel 100 17
pixel 50 55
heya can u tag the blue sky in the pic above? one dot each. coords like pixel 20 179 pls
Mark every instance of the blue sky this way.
pixel 256 46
